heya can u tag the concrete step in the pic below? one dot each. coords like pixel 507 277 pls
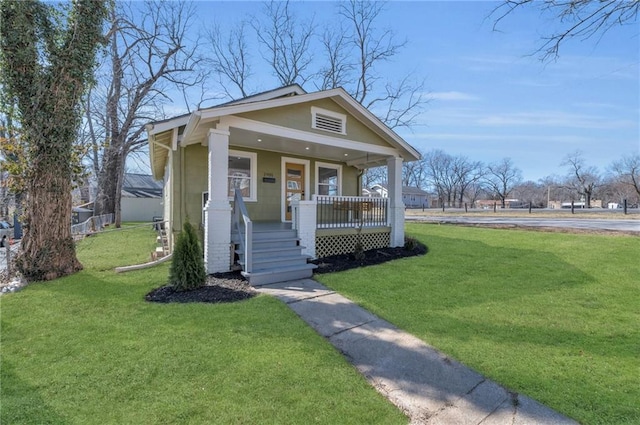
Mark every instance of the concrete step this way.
pixel 271 252
pixel 265 244
pixel 277 262
pixel 268 234
pixel 265 277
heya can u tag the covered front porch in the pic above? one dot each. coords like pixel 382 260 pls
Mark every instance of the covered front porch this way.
pixel 283 156
pixel 317 193
pixel 268 252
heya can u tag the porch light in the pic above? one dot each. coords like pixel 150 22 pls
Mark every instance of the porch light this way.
pixel 346 154
pixel 259 140
pixel 307 148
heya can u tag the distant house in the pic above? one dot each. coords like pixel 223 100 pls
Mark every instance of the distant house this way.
pixel 412 197
pixel 379 190
pixel 141 198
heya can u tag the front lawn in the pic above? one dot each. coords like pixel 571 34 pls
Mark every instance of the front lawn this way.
pixel 89 349
pixel 554 316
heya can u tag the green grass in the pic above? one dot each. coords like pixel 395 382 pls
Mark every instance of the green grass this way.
pixel 553 316
pixel 88 349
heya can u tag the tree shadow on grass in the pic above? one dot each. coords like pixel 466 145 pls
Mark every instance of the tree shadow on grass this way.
pixel 22 403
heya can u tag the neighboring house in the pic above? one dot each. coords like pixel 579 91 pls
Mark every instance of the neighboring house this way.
pixel 275 179
pixel 141 198
pixel 379 190
pixel 414 197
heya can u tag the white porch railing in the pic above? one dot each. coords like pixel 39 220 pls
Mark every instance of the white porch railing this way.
pixel 92 225
pixel 244 232
pixel 350 211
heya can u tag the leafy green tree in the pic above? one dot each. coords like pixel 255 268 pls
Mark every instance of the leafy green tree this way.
pixel 187 267
pixel 47 55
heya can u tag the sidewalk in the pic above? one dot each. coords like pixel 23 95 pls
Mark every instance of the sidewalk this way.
pixel 426 385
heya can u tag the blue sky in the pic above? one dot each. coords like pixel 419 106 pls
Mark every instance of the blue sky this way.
pixel 491 96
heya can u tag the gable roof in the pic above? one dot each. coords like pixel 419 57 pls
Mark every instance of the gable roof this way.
pixel 141 186
pixel 412 190
pixel 292 90
pixel 284 96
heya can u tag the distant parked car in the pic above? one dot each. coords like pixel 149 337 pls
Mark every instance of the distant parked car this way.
pixel 5 225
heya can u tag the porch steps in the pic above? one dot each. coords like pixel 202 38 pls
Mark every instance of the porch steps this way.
pixel 277 257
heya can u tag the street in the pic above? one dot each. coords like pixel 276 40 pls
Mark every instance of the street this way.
pixel 621 225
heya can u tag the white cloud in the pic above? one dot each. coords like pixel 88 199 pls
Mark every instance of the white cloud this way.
pixel 553 119
pixel 452 96
pixel 512 138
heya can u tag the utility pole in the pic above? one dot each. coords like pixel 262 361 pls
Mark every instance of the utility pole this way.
pixel 548 196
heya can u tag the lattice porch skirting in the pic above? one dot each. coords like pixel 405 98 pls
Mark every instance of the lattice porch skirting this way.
pixel 343 241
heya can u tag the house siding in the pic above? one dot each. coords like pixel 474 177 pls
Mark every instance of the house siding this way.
pixel 191 181
pixel 299 118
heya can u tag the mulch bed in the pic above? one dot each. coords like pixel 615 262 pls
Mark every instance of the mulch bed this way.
pixel 220 288
pixel 338 263
pixel 232 286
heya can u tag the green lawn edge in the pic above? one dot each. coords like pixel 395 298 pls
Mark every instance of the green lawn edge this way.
pixel 88 349
pixel 551 315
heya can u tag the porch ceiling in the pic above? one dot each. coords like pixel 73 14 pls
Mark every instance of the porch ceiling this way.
pixel 308 149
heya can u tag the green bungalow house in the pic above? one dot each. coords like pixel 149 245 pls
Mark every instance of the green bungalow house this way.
pixel 274 179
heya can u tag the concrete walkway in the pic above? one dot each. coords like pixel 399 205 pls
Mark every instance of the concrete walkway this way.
pixel 422 382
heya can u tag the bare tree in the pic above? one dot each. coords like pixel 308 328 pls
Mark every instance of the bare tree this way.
pixel 231 60
pixel 627 170
pixel 352 51
pixel 146 53
pixel 535 193
pixel 466 173
pixel 612 189
pixel 338 68
pixel 374 175
pixel 502 177
pixel 414 173
pixel 286 42
pixel 438 171
pixel 579 18
pixel 581 179
pixel 397 103
pixel 454 178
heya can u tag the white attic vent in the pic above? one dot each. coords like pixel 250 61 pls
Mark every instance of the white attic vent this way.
pixel 322 119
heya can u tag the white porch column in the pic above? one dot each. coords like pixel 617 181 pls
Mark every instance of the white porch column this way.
pixel 396 207
pixel 217 211
pixel 307 212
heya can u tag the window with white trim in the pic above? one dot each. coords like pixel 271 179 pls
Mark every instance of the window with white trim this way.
pixel 328 179
pixel 333 122
pixel 242 174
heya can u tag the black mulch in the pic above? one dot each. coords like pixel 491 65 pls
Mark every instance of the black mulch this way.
pixel 220 288
pixel 338 263
pixel 232 286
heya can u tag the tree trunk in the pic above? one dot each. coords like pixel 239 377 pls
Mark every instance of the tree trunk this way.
pixel 110 184
pixel 48 251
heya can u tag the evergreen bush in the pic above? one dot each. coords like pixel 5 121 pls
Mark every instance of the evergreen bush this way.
pixel 187 268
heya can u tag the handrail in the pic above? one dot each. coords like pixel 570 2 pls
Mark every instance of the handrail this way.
pixel 246 240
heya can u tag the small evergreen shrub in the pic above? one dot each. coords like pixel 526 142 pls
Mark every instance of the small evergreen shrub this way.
pixel 410 243
pixel 187 268
pixel 358 251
